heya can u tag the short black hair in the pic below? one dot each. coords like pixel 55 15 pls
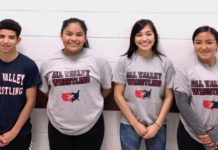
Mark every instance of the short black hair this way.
pixel 11 25
pixel 205 29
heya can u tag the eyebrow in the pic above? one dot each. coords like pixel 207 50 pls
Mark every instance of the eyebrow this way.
pixel 146 32
pixel 8 35
pixel 206 40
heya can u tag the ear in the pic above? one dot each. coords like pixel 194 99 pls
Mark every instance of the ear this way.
pixel 18 40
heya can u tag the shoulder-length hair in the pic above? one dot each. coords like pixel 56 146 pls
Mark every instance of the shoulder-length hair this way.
pixel 137 27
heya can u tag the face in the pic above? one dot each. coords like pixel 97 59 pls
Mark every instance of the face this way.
pixel 206 46
pixel 73 38
pixel 8 41
pixel 144 40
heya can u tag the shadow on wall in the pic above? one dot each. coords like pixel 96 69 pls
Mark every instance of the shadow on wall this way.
pixel 109 103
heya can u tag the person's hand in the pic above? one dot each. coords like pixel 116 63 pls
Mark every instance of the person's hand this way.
pixel 208 142
pixel 3 141
pixel 140 129
pixel 9 136
pixel 211 146
pixel 151 131
pixel 205 139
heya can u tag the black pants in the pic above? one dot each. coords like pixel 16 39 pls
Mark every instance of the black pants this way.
pixel 185 141
pixel 19 143
pixel 91 140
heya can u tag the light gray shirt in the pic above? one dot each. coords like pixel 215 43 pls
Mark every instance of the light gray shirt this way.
pixel 200 83
pixel 74 85
pixel 145 81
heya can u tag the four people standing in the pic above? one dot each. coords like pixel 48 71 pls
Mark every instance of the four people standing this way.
pixel 77 81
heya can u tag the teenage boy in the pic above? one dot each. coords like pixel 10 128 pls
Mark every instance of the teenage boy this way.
pixel 19 78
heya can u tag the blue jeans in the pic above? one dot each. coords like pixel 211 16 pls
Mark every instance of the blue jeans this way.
pixel 130 140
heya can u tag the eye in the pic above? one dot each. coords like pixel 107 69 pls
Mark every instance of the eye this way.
pixel 12 37
pixel 80 34
pixel 138 34
pixel 68 34
pixel 210 42
pixel 149 34
pixel 197 42
pixel 2 36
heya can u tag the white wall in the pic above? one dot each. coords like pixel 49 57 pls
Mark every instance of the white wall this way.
pixel 109 24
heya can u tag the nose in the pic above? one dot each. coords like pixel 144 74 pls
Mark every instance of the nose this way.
pixel 144 37
pixel 204 46
pixel 73 38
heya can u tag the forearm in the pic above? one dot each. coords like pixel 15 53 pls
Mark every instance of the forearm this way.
pixel 24 115
pixel 165 107
pixel 125 109
pixel 182 101
pixel 26 111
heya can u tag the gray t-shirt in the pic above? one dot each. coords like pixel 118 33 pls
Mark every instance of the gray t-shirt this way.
pixel 201 84
pixel 74 85
pixel 145 81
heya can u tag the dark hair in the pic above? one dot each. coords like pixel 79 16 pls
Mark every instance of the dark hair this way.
pixel 10 24
pixel 205 29
pixel 81 23
pixel 137 27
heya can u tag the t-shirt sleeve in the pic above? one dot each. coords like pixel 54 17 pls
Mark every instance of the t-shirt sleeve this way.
pixel 44 86
pixel 119 72
pixel 33 77
pixel 181 81
pixel 106 75
pixel 170 75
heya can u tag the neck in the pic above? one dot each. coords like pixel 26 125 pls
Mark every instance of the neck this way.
pixel 145 54
pixel 210 62
pixel 8 57
pixel 68 53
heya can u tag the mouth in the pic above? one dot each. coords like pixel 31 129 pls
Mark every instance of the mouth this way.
pixel 145 44
pixel 73 44
pixel 6 47
pixel 204 53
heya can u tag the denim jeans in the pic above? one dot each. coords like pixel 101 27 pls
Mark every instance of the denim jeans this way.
pixel 130 140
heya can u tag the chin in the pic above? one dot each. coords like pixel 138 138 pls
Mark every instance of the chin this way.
pixel 144 48
pixel 205 59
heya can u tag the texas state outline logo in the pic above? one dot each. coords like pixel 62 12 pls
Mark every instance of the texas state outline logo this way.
pixel 70 97
pixel 142 94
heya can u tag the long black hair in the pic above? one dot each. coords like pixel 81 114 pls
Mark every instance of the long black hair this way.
pixel 137 27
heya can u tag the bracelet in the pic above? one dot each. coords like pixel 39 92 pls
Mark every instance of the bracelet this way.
pixel 159 126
